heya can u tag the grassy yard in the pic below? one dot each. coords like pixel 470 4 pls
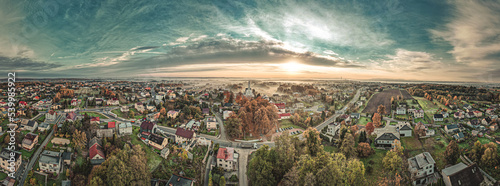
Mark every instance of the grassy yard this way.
pixel 420 120
pixel 153 159
pixel 484 140
pixel 41 119
pixel 288 123
pixel 94 114
pixel 330 149
pixel 2 175
pixel 411 143
pixel 426 104
pixel 363 120
pixel 119 113
pixel 27 154
pixel 373 165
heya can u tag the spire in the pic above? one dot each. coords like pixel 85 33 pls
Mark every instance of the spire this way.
pixel 249 84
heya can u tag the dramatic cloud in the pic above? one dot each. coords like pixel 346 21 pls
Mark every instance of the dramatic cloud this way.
pixel 410 61
pixel 24 64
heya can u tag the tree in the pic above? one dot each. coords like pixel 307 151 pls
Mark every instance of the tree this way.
pixel 354 129
pixel 260 167
pixel 477 151
pixel 392 161
pixel 163 111
pixel 347 147
pixel 222 180
pixel 489 158
pixel 420 129
pixel 313 141
pixel 376 120
pixel 369 128
pixel 365 150
pixel 296 118
pixel 131 114
pixel 233 127
pixel 79 139
pixel 381 110
pixel 452 152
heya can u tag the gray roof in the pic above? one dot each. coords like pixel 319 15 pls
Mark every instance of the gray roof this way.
pixel 405 127
pixel 31 123
pixel 452 126
pixel 44 125
pixel 453 169
pixel 66 155
pixel 5 154
pixel 124 125
pixel 387 136
pixel 179 181
pixel 50 157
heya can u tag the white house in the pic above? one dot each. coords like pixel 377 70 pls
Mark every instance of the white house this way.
pixel 418 113
pixel 227 159
pixel 421 168
pixel 404 130
pixel 401 111
pixel 438 117
pixel 211 123
pixel 333 129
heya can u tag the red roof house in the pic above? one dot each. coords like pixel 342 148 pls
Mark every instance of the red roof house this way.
pixel 111 125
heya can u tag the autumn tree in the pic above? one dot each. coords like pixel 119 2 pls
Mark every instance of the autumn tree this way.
pixel 490 155
pixel 79 139
pixel 369 128
pixel 477 151
pixel 163 111
pixel 313 141
pixel 233 126
pixel 296 119
pixel 128 166
pixel 420 130
pixel 364 150
pixel 347 147
pixel 381 110
pixel 377 120
pixel 452 152
pixel 392 161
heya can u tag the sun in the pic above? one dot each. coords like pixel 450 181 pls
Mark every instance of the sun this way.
pixel 292 67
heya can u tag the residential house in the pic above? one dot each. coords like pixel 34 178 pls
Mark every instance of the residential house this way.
pixel 461 174
pixel 227 159
pixel 284 116
pixel 95 120
pixel 421 168
pixel 281 107
pixel 66 156
pixel 211 123
pixel 459 115
pixel 333 129
pixel 112 125
pixel 50 161
pixel 124 109
pixel 31 125
pixel 125 128
pixel 494 127
pixel 418 113
pixel 5 159
pixel 469 115
pixel 459 137
pixel 29 141
pixel 401 110
pixel 71 117
pixel 474 123
pixel 183 135
pixel 113 101
pixel 489 111
pixel 438 117
pixel 355 115
pixel 105 133
pixel 486 121
pixel 139 107
pixel 445 114
pixel 165 152
pixel 96 155
pixel 478 113
pixel 404 130
pixel 226 114
pixel 148 127
pixel 172 114
pixel 428 132
pixel 157 141
pixel 451 129
pixel 386 139
pixel 51 115
pixel 176 180
pixel 153 116
pixel 75 102
pixel 43 127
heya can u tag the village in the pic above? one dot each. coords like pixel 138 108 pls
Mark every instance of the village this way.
pixel 183 132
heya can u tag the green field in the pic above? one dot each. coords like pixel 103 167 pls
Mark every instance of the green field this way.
pixel 375 162
pixel 330 149
pixel 363 120
pixel 94 114
pixel 288 123
pixel 153 159
pixel 411 143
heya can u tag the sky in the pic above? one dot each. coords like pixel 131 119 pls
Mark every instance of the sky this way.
pixel 421 40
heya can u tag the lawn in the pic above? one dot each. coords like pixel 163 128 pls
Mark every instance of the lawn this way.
pixel 41 119
pixel 2 175
pixel 118 113
pixel 288 123
pixel 484 140
pixel 420 120
pixel 363 120
pixel 94 114
pixel 153 159
pixel 411 143
pixel 330 149
pixel 27 154
pixel 373 165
